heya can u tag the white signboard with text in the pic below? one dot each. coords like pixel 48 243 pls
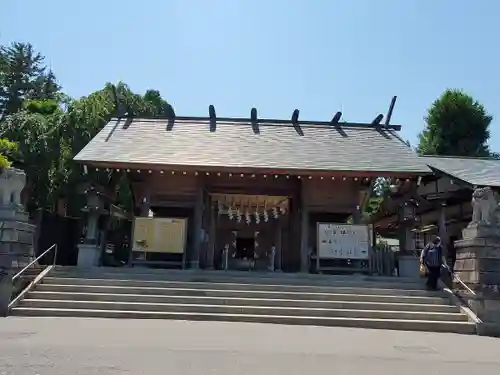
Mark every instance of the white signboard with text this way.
pixel 343 241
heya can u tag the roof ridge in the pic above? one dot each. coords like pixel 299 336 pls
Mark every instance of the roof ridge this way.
pixel 267 122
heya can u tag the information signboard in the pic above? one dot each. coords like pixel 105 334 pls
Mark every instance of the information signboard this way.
pixel 159 235
pixel 343 241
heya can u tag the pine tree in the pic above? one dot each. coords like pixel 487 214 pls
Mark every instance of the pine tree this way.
pixel 23 76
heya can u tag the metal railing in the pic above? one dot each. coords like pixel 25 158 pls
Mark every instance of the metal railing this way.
pixel 53 247
pixel 455 277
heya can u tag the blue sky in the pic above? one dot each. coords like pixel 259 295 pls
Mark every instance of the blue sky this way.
pixel 320 56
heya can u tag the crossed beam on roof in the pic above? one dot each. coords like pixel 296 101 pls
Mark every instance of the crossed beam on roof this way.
pixel 294 120
pixel 212 117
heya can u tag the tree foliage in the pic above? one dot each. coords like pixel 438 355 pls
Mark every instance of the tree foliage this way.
pixel 6 149
pixel 47 128
pixel 23 76
pixel 456 125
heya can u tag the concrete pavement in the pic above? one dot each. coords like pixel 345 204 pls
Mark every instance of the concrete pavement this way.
pixel 63 346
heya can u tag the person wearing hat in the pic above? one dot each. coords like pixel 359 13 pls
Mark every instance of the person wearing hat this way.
pixel 432 258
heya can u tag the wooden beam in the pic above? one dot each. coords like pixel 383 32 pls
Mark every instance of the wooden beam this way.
pixel 263 121
pixel 253 170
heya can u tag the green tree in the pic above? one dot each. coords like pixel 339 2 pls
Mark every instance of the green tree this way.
pixel 47 129
pixel 35 128
pixel 23 76
pixel 456 124
pixel 86 116
pixel 6 149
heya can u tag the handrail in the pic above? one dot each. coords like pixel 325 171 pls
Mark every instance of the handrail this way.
pixel 455 276
pixel 54 246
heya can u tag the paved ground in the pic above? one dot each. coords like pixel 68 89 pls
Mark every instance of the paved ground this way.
pixel 64 346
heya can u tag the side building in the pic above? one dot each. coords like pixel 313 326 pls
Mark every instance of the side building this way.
pixel 441 202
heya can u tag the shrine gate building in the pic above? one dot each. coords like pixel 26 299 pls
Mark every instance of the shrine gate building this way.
pixel 247 193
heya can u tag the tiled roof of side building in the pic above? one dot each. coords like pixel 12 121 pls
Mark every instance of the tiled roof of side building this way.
pixel 240 144
pixel 475 171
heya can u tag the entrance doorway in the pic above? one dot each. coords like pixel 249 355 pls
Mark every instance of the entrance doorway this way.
pixel 245 248
pixel 249 230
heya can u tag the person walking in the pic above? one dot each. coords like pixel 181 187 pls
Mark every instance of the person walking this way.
pixel 431 258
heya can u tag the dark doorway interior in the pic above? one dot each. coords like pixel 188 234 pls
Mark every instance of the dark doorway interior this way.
pixel 245 248
pixel 63 231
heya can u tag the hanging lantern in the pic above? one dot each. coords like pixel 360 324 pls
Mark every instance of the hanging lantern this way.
pixel 230 213
pixel 248 218
pixel 238 215
pixel 265 216
pixel 282 210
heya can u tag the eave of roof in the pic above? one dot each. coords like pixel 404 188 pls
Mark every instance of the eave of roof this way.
pixel 469 171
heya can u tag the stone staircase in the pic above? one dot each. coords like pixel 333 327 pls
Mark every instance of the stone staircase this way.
pixel 348 301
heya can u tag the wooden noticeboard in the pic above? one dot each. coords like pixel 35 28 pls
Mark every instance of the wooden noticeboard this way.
pixel 343 241
pixel 159 235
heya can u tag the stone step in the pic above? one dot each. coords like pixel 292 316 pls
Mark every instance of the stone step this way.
pixel 241 293
pixel 341 287
pixel 394 324
pixel 250 310
pixel 242 301
pixel 229 276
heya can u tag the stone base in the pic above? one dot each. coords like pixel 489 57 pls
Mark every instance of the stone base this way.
pixel 488 329
pixel 88 255
pixel 13 212
pixel 478 260
pixel 481 231
pixel 478 266
pixel 486 305
pixel 6 285
pixel 409 266
pixel 16 235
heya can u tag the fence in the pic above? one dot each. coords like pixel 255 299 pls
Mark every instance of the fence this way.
pixel 383 261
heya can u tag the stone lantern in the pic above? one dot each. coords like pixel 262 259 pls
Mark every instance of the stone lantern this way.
pixel 89 251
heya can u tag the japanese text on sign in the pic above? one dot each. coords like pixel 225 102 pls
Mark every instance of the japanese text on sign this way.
pixel 343 241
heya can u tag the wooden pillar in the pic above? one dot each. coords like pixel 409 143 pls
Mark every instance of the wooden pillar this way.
pixel 304 231
pixel 277 244
pixel 145 204
pixel 198 224
pixel 406 237
pixel 442 228
pixel 356 216
pixel 290 260
pixel 211 239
